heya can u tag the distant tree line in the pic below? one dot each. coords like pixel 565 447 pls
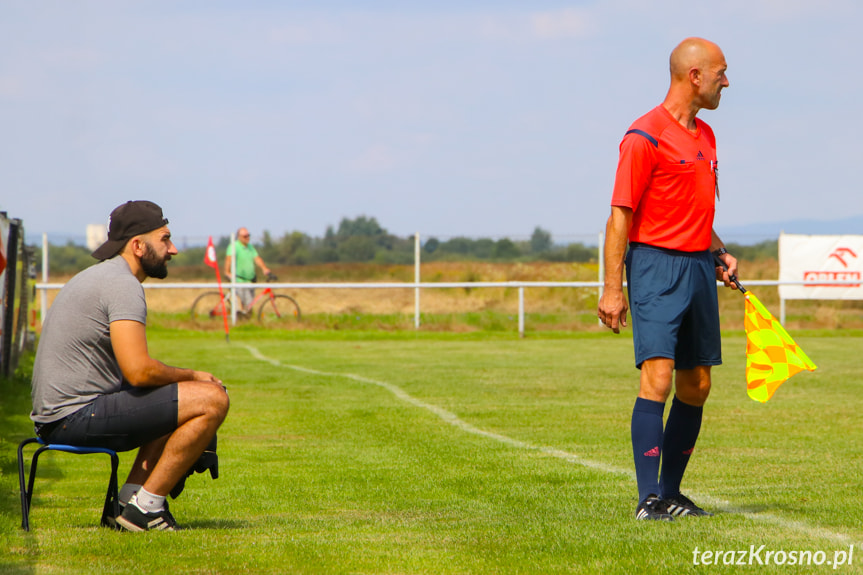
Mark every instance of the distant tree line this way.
pixel 363 240
pixel 766 250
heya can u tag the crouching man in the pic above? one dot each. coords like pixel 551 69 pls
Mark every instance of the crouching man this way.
pixel 95 384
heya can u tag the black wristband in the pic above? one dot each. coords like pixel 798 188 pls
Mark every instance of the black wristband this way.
pixel 720 252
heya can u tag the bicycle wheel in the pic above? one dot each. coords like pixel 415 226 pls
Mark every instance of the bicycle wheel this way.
pixel 279 309
pixel 208 306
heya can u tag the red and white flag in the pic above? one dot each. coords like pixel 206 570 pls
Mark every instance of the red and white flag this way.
pixel 210 260
pixel 210 255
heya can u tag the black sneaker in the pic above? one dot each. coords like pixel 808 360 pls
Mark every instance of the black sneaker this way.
pixel 134 518
pixel 679 505
pixel 653 508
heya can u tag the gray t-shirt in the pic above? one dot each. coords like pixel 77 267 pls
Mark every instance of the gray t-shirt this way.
pixel 75 361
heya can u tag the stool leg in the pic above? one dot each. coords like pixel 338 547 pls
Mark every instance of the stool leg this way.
pixel 32 479
pixel 27 497
pixel 26 492
pixel 112 498
pixel 25 502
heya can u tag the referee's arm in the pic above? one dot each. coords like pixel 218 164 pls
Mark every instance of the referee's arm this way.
pixel 612 306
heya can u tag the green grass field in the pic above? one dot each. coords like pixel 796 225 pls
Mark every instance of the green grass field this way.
pixel 370 452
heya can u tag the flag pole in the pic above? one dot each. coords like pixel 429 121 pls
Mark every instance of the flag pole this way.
pixel 210 260
pixel 222 303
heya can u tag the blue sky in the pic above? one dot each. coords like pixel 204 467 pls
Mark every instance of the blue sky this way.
pixel 477 118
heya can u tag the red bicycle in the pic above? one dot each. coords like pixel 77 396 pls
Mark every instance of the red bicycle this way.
pixel 276 308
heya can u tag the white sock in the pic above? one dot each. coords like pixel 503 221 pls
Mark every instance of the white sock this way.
pixel 148 502
pixel 127 491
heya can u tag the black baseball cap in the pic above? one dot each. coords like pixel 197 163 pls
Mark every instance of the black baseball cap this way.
pixel 127 221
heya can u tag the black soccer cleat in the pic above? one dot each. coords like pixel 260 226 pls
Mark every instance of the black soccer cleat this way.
pixel 653 508
pixel 133 518
pixel 680 505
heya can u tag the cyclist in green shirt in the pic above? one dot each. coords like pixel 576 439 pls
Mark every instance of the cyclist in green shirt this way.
pixel 247 258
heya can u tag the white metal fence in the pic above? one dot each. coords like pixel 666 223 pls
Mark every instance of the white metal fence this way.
pixel 417 285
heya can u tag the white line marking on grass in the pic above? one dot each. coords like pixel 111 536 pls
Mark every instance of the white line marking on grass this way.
pixel 451 418
pixel 456 421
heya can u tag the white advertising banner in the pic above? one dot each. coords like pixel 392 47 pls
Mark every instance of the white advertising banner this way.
pixel 823 261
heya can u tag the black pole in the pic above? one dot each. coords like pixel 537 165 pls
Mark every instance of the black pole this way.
pixel 721 264
pixel 9 297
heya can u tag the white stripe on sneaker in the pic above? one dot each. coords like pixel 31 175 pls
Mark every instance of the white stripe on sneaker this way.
pixel 160 524
pixel 676 510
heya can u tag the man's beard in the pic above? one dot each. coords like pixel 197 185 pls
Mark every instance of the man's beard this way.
pixel 152 265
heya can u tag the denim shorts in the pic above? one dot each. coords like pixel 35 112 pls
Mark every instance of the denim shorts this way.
pixel 121 421
pixel 674 304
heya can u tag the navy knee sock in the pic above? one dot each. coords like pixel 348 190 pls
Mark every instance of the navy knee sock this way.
pixel 647 444
pixel 681 432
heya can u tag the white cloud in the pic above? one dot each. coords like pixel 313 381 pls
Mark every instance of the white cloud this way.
pixel 72 58
pixel 567 23
pixel 376 159
pixel 548 25
pixel 494 28
pixel 11 87
pixel 779 10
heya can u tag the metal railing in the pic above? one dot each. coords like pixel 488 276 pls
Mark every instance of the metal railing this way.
pixel 230 288
pixel 416 285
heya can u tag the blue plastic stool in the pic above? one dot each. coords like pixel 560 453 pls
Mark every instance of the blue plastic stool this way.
pixel 112 501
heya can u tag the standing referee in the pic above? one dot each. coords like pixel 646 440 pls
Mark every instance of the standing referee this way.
pixel 662 207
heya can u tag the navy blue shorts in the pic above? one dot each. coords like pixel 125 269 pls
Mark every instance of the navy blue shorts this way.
pixel 674 306
pixel 120 421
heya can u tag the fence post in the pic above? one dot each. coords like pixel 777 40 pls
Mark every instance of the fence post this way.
pixel 417 280
pixel 521 311
pixel 43 299
pixel 233 246
pixel 601 267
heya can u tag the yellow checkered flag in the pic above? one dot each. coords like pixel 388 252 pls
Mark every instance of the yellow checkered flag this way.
pixel 772 356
